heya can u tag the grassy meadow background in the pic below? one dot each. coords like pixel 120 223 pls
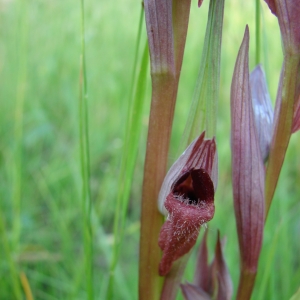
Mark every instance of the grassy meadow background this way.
pixel 41 216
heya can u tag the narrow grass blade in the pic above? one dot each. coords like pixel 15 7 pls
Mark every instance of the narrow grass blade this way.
pixel 16 290
pixel 130 150
pixel 85 165
pixel 22 32
pixel 267 274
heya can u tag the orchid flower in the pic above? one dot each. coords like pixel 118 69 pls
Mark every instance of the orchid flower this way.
pixel 187 197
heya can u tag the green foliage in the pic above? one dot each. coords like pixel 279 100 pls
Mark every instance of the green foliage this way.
pixel 41 226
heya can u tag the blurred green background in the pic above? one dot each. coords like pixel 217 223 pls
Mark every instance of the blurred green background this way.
pixel 41 227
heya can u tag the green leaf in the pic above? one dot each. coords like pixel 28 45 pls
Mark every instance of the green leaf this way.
pixel 203 112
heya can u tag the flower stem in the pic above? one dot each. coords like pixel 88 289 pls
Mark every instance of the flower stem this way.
pixel 283 125
pixel 160 123
pixel 246 284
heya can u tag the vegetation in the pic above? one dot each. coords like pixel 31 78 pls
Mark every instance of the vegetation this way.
pixel 45 220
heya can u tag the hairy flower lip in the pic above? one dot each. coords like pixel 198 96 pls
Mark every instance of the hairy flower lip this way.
pixel 179 233
pixel 187 196
pixel 195 213
pixel 190 214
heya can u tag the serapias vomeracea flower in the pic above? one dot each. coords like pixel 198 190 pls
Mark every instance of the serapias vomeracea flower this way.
pixel 187 198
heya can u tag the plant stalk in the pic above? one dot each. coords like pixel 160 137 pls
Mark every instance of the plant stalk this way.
pixel 246 284
pixel 283 126
pixel 160 124
pixel 85 165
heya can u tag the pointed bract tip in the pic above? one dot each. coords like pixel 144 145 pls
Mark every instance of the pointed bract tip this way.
pixel 246 34
pixel 200 3
pixel 203 276
pixel 221 273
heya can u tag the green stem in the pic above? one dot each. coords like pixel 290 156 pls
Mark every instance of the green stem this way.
pixel 246 284
pixel 282 130
pixel 85 165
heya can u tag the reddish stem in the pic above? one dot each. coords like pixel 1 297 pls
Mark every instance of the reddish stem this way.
pixel 160 123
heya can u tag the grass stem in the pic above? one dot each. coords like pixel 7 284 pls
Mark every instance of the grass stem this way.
pixel 85 165
pixel 160 123
pixel 130 150
pixel 18 126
